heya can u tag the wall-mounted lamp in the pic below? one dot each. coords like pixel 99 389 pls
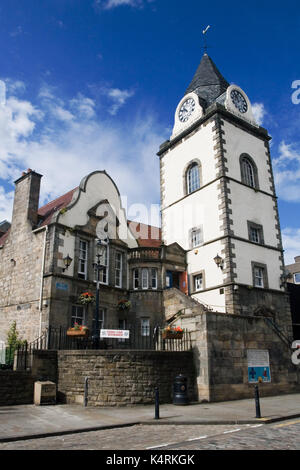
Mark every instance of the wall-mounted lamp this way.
pixel 67 262
pixel 285 277
pixel 219 261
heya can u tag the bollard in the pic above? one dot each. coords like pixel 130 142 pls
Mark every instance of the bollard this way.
pixel 86 384
pixel 156 403
pixel 257 404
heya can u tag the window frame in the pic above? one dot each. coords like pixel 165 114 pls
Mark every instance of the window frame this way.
pixel 119 269
pixel 294 275
pixel 154 270
pixel 252 180
pixel 193 180
pixel 259 228
pixel 76 317
pixel 145 270
pixel 264 277
pixel 83 274
pixel 193 242
pixel 136 278
pixel 145 331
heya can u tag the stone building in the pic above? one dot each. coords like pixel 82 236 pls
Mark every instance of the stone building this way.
pixel 38 289
pixel 216 266
pixel 294 271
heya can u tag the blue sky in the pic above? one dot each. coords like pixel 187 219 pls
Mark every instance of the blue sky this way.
pixel 93 84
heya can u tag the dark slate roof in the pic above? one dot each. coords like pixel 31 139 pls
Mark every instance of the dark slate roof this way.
pixel 208 82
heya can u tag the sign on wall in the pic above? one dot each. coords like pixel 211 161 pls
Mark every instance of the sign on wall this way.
pixel 121 334
pixel 258 366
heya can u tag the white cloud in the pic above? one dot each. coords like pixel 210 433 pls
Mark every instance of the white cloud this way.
pixel 259 112
pixel 64 140
pixel 109 4
pixel 6 204
pixel 287 172
pixel 291 244
pixel 118 98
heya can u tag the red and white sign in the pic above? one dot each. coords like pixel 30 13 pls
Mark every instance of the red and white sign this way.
pixel 121 334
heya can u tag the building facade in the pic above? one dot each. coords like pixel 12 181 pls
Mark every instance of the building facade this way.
pixel 39 289
pixel 219 201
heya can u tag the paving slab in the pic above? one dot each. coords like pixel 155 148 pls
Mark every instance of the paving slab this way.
pixel 30 421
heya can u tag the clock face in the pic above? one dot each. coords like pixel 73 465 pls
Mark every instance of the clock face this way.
pixel 239 101
pixel 186 110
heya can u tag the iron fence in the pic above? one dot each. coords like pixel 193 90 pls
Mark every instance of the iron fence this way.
pixel 138 339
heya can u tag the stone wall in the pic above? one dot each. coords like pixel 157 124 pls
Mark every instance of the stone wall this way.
pixel 16 388
pixel 221 342
pixel 118 378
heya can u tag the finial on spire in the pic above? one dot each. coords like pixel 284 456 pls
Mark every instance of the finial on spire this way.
pixel 204 35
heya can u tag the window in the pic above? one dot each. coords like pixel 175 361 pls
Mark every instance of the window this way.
pixel 102 319
pixel 144 278
pixel 118 269
pixel 136 279
pixel 83 259
pixel 154 278
pixel 193 178
pixel 255 232
pixel 248 173
pixel 78 315
pixel 103 275
pixel 297 278
pixel 196 237
pixel 258 277
pixel 145 327
pixel 122 326
pixel 198 282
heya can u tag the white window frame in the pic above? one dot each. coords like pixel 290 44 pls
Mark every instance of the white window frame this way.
pixel 193 178
pixel 198 286
pixel 196 237
pixel 154 278
pixel 83 260
pixel 248 172
pixel 78 318
pixel 259 275
pixel 145 327
pixel 118 268
pixel 295 279
pixel 136 278
pixel 145 285
pixel 104 273
pixel 255 235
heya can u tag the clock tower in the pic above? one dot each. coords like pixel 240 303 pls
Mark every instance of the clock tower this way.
pixel 218 200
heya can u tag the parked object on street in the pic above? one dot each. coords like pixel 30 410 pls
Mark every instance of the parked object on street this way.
pixel 180 396
pixel 44 393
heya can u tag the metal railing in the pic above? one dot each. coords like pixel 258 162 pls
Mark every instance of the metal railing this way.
pixel 150 338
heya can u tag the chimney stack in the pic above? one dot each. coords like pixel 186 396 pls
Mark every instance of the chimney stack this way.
pixel 26 200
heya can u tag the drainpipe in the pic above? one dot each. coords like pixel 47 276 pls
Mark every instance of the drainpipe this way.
pixel 45 228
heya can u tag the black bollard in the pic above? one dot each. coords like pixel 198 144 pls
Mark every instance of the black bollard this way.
pixel 85 392
pixel 257 404
pixel 156 403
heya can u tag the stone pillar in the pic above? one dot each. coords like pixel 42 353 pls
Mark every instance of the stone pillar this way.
pixel 26 200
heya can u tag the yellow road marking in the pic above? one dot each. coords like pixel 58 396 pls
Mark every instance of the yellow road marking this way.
pixel 286 424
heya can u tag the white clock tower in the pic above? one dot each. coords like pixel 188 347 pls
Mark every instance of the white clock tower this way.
pixel 219 202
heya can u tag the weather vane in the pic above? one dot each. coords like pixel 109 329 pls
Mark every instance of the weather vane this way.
pixel 204 35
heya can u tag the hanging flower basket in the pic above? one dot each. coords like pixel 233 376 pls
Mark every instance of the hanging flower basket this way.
pixel 79 331
pixel 86 298
pixel 124 305
pixel 172 333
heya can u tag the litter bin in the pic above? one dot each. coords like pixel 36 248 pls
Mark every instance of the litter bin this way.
pixel 180 396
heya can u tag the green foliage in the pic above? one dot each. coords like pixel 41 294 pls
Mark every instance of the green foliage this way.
pixel 13 342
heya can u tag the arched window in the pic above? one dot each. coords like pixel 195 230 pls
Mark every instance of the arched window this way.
pixel 193 178
pixel 248 171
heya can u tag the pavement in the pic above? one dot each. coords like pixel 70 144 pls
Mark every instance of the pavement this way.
pixel 31 421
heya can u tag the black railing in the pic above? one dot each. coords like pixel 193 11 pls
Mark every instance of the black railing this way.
pixel 149 338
